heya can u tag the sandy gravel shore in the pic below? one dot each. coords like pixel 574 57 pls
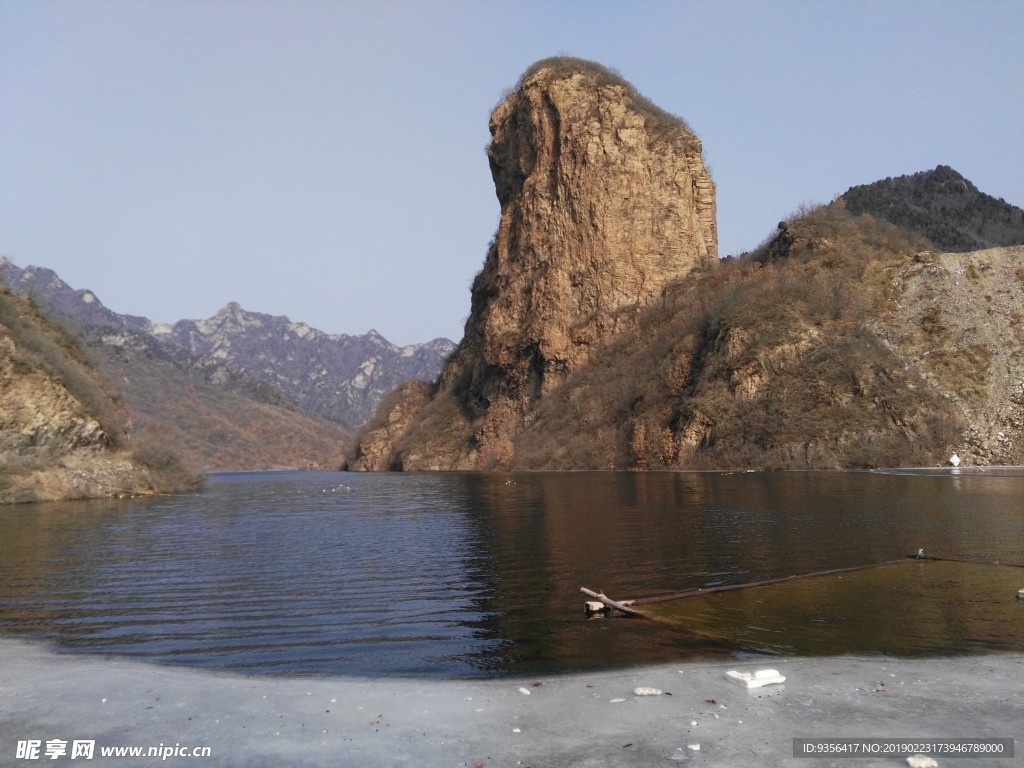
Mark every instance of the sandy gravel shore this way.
pixel 588 719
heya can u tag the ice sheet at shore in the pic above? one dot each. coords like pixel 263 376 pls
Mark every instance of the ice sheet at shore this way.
pixel 584 719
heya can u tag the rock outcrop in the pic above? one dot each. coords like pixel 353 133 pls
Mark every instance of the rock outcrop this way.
pixel 63 434
pixel 605 200
pixel 604 333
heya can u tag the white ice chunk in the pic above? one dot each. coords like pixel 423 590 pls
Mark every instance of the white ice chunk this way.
pixel 759 678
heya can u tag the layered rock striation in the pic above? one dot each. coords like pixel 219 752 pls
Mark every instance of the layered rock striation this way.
pixel 605 200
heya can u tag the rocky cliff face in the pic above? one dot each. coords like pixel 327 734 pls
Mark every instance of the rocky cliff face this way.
pixel 845 342
pixel 604 201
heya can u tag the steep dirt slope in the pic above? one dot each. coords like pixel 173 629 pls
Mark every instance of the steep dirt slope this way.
pixel 959 319
pixel 213 427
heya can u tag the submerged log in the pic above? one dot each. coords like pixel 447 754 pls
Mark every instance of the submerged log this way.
pixel 618 606
pixel 699 591
pixel 973 561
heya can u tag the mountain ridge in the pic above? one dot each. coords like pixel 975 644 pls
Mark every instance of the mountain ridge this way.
pixel 351 373
pixel 233 391
pixel 943 206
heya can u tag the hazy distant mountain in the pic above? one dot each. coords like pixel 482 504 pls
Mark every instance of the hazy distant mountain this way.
pixel 340 377
pixel 241 390
pixel 335 376
pixel 46 288
pixel 942 206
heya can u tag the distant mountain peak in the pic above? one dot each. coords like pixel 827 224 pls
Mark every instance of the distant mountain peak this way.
pixel 945 173
pixel 942 179
pixel 231 315
pixel 943 206
pixel 47 288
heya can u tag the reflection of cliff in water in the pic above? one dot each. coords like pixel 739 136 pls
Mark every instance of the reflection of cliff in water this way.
pixel 642 534
pixel 913 608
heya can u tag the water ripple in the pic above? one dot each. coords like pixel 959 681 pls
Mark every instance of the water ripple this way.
pixel 465 575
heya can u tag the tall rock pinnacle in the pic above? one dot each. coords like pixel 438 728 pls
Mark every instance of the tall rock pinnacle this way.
pixel 604 200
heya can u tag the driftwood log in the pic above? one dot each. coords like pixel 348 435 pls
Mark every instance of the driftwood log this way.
pixel 618 606
pixel 699 591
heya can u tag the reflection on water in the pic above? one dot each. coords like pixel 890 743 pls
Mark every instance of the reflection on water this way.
pixel 467 575
pixel 914 607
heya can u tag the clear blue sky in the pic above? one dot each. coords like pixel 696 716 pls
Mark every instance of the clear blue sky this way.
pixel 324 159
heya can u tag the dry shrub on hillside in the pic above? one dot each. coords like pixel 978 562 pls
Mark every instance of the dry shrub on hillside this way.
pixel 657 121
pixel 43 345
pixel 789 372
pixel 761 362
pixel 444 422
pixel 156 450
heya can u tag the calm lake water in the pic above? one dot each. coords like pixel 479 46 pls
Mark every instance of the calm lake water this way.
pixel 468 575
